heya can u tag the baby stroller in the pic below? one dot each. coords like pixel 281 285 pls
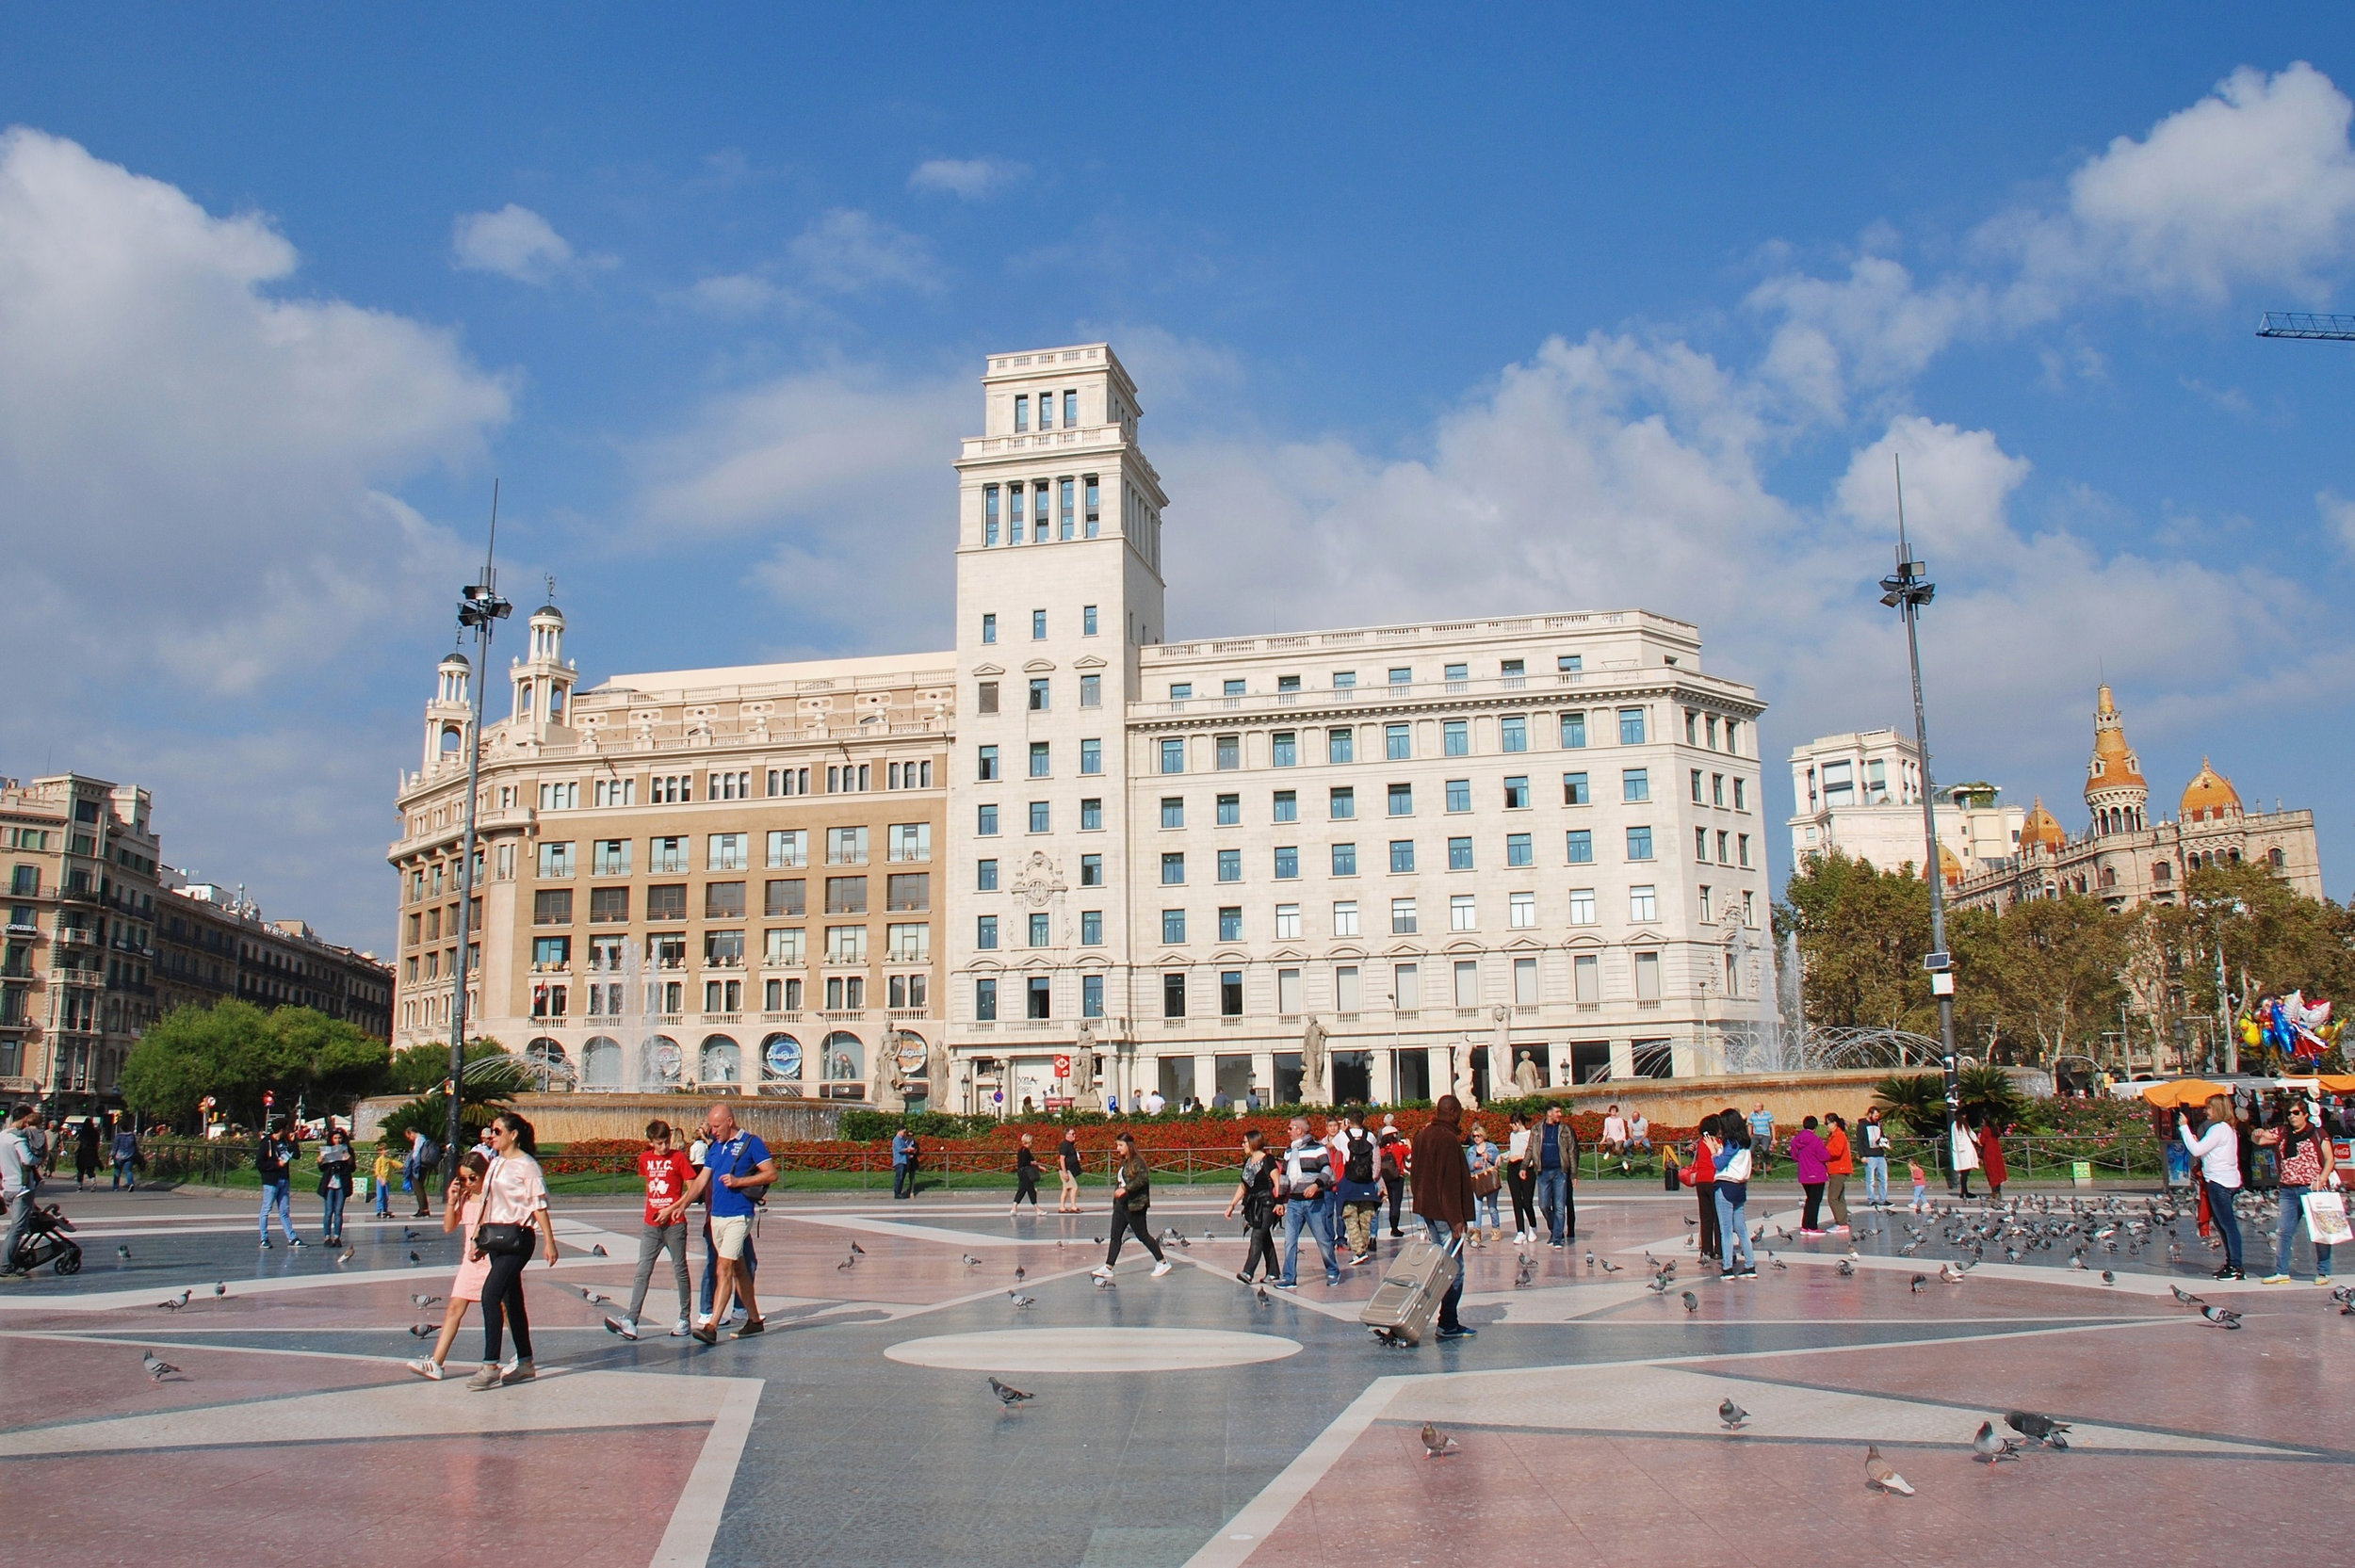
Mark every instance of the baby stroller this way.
pixel 45 1241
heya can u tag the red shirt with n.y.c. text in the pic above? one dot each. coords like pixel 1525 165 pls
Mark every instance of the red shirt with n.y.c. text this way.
pixel 666 1175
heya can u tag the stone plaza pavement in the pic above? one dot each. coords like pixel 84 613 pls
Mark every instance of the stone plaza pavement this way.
pixel 1177 1421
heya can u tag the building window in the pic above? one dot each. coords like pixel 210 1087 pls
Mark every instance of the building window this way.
pixel 846 944
pixel 1586 978
pixel 1513 731
pixel 1172 756
pixel 1635 783
pixel 1340 745
pixel 985 1000
pixel 1521 911
pixel 1090 691
pixel 552 907
pixel 844 895
pixel 1287 806
pixel 1022 411
pixel 1630 726
pixel 1041 698
pixel 612 857
pixel 989 514
pixel 1466 983
pixel 1091 757
pixel 1174 868
pixel 1173 927
pixel 985 876
pixel 1704 903
pixel 1639 844
pixel 666 901
pixel 1229 753
pixel 1230 923
pixel 1284 749
pixel 1341 805
pixel 1091 986
pixel 1716 788
pixel 846 846
pixel 1091 814
pixel 728 853
pixel 1038 617
pixel 609 906
pixel 989 628
pixel 1647 977
pixel 1459 795
pixel 1286 863
pixel 1066 507
pixel 556 860
pixel 1402 854
pixel 1398 742
pixel 986 932
pixel 1643 904
pixel 1455 737
pixel 1041 764
pixel 1459 854
pixel 1401 798
pixel 911 841
pixel 1582 845
pixel 1180 691
pixel 1696 789
pixel 1229 811
pixel 1456 676
pixel 1042 931
pixel 1402 917
pixel 1091 928
pixel 1230 993
pixel 1518 849
pixel 1231 865
pixel 985 765
pixel 788 847
pixel 985 822
pixel 1461 916
pixel 783 896
pixel 1173 811
pixel 908 890
pixel 1517 792
pixel 1174 995
pixel 1700 844
pixel 1345 860
pixel 1091 870
pixel 1740 796
pixel 1042 818
pixel 1234 688
pixel 1573 731
pixel 782 951
pixel 1345 918
pixel 1743 845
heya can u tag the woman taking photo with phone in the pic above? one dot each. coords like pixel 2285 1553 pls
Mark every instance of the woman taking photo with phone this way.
pixel 2217 1147
pixel 514 1220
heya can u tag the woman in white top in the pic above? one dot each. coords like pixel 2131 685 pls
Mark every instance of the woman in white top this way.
pixel 2217 1147
pixel 515 1211
pixel 1520 1175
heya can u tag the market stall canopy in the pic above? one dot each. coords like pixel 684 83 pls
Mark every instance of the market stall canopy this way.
pixel 2182 1091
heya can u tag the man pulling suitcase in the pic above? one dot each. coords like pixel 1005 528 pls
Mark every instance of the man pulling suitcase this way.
pixel 1402 1305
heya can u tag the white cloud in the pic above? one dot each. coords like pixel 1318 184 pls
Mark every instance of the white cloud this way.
pixel 737 294
pixel 513 242
pixel 968 179
pixel 2338 515
pixel 1873 329
pixel 849 252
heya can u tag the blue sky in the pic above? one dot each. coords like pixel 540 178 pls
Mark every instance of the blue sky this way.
pixel 1431 318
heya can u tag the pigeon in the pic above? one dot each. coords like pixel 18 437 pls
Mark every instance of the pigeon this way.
pixel 176 1303
pixel 1022 1303
pixel 1098 1240
pixel 1104 1282
pixel 1733 1415
pixel 1949 1273
pixel 2039 1429
pixel 970 1261
pixel 595 1297
pixel 414 1258
pixel 1919 1284
pixel 122 1252
pixel 1993 1448
pixel 1020 1273
pixel 1881 1476
pixel 1659 1286
pixel 1260 1292
pixel 1778 1263
pixel 2109 1276
pixel 2225 1316
pixel 421 1331
pixel 1007 1394
pixel 156 1370
pixel 1692 1303
pixel 1611 1268
pixel 846 1263
pixel 408 1235
pixel 859 1250
pixel 220 1290
pixel 2185 1297
pixel 1436 1442
pixel 597 1249
pixel 424 1300
pixel 1591 1260
pixel 347 1255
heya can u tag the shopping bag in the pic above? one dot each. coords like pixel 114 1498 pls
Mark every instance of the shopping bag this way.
pixel 2326 1219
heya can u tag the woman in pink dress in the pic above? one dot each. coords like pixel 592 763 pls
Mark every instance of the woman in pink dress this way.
pixel 460 1213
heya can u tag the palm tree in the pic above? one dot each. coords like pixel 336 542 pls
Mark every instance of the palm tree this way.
pixel 1916 1100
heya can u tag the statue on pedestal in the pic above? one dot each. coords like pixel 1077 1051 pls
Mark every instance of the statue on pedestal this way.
pixel 1083 1079
pixel 1525 1076
pixel 1313 1061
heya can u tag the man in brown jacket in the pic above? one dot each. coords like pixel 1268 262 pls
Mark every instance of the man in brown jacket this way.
pixel 1443 1197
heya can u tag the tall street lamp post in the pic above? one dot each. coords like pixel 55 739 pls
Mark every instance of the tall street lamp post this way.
pixel 1907 591
pixel 480 608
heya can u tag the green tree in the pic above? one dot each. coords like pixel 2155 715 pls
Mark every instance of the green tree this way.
pixel 235 1052
pixel 1862 934
pixel 2054 964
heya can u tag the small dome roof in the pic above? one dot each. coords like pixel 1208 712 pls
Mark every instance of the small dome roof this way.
pixel 2113 765
pixel 455 659
pixel 1948 866
pixel 2210 792
pixel 548 609
pixel 2041 830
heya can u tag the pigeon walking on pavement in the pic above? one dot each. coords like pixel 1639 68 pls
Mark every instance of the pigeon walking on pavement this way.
pixel 1437 1443
pixel 2040 1429
pixel 176 1303
pixel 1992 1448
pixel 2222 1317
pixel 1692 1303
pixel 1882 1477
pixel 1007 1394
pixel 1733 1415
pixel 158 1369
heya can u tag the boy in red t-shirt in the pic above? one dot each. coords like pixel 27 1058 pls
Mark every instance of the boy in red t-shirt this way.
pixel 666 1175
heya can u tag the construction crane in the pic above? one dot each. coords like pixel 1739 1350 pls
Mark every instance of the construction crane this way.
pixel 2301 324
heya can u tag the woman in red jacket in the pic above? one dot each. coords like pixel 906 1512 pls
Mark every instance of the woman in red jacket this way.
pixel 1700 1174
pixel 1840 1164
pixel 1991 1141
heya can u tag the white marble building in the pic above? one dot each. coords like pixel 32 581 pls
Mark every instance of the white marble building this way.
pixel 1438 846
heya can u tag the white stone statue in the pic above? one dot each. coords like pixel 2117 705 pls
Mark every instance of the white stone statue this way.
pixel 1083 1079
pixel 1525 1076
pixel 1312 1064
pixel 1462 1057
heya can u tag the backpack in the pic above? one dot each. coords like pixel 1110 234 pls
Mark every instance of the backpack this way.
pixel 1394 1156
pixel 1358 1167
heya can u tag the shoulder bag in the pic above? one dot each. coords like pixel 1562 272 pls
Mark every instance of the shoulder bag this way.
pixel 499 1239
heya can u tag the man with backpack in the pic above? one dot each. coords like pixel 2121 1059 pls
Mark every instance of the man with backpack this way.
pixel 1361 1191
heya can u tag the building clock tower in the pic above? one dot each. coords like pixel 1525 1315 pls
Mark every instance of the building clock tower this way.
pixel 1059 584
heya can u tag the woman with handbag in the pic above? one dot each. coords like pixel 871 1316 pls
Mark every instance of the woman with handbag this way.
pixel 1481 1155
pixel 462 1213
pixel 514 1218
pixel 1731 1152
pixel 337 1162
pixel 2304 1158
pixel 1132 1193
pixel 1700 1174
pixel 2217 1147
pixel 1520 1174
pixel 1255 1196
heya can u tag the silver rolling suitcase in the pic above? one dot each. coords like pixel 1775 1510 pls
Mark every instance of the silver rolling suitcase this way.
pixel 1407 1300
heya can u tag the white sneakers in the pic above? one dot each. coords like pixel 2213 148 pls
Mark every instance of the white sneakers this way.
pixel 426 1369
pixel 1160 1269
pixel 1101 1271
pixel 679 1328
pixel 625 1327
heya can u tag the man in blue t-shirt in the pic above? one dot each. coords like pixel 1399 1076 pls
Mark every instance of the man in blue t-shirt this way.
pixel 1761 1139
pixel 738 1169
pixel 903 1164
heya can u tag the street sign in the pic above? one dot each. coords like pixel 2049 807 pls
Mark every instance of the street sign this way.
pixel 1062 1067
pixel 2081 1172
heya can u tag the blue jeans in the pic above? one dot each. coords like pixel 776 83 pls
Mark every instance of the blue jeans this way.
pixel 385 1200
pixel 1442 1234
pixel 1733 1228
pixel 2227 1222
pixel 711 1270
pixel 1312 1213
pixel 2293 1214
pixel 126 1173
pixel 1876 1179
pixel 274 1196
pixel 1553 1202
pixel 1485 1203
pixel 902 1179
pixel 333 1224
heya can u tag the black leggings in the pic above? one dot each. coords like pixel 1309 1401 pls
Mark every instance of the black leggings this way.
pixel 503 1300
pixel 1261 1250
pixel 1812 1212
pixel 1026 1184
pixel 1710 1239
pixel 1125 1220
pixel 1524 1200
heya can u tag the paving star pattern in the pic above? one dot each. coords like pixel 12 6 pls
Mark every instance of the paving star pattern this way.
pixel 1183 1420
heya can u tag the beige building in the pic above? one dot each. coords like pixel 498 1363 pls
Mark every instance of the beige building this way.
pixel 1860 793
pixel 2125 858
pixel 698 877
pixel 103 939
